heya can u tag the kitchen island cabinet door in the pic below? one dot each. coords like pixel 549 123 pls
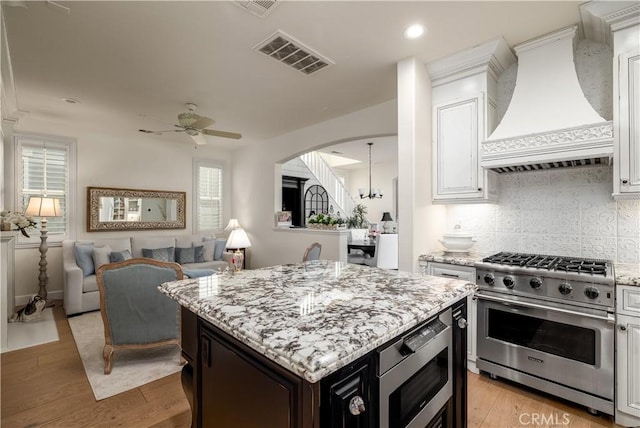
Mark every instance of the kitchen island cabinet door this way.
pixel 238 390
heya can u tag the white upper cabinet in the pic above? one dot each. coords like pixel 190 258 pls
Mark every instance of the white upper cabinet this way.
pixel 626 140
pixel 463 96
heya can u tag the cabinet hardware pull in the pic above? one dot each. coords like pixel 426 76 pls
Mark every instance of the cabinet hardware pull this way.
pixel 479 189
pixel 449 275
pixel 624 181
pixel 356 405
pixel 623 328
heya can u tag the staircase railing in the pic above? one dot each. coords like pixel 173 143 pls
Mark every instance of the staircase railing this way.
pixel 330 181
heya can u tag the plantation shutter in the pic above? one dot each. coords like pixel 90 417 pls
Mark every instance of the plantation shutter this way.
pixel 209 194
pixel 44 171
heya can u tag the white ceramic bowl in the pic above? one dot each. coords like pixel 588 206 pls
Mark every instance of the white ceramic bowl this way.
pixel 457 242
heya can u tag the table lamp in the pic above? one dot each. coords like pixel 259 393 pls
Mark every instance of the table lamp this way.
pixel 238 240
pixel 386 217
pixel 43 207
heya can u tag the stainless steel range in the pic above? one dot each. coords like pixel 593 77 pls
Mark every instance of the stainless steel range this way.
pixel 548 322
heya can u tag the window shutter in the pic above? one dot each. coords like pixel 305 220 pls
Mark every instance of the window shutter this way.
pixel 209 193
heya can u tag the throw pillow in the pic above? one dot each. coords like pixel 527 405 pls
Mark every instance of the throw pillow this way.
pixel 119 256
pixel 220 245
pixel 160 254
pixel 209 246
pixel 101 256
pixel 189 255
pixel 84 258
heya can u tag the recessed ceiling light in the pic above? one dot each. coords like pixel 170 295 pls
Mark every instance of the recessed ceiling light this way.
pixel 414 31
pixel 70 100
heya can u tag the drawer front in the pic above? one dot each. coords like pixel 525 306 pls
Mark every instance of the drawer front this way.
pixel 629 300
pixel 452 271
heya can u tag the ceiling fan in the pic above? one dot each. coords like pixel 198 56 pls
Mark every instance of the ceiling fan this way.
pixel 194 125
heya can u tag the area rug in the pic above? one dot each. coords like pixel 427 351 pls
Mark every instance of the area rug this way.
pixel 31 333
pixel 131 368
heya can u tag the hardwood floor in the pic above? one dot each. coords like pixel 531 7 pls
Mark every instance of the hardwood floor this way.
pixel 45 386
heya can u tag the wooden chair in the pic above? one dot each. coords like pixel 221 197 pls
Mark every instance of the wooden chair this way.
pixel 312 252
pixel 135 314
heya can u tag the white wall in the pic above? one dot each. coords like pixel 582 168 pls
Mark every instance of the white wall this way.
pixel 123 158
pixel 382 178
pixel 256 177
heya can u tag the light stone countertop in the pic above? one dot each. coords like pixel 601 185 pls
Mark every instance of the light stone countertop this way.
pixel 460 259
pixel 313 318
pixel 627 274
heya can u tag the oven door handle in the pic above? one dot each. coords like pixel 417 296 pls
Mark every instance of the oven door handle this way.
pixel 609 318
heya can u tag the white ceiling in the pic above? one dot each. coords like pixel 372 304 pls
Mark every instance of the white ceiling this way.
pixel 135 64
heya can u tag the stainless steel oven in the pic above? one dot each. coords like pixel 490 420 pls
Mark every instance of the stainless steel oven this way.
pixel 415 376
pixel 552 331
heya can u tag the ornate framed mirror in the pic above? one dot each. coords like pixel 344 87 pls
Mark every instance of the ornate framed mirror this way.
pixel 133 209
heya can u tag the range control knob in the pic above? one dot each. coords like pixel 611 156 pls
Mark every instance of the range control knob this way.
pixel 565 288
pixel 591 292
pixel 535 282
pixel 508 281
pixel 489 279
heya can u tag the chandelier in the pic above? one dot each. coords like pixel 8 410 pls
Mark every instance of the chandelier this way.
pixel 373 193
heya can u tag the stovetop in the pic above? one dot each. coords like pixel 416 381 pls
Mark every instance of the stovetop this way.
pixel 552 263
pixel 572 280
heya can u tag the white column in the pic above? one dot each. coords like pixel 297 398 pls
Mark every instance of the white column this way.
pixel 419 222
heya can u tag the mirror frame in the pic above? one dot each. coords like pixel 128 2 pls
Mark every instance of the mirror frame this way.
pixel 93 207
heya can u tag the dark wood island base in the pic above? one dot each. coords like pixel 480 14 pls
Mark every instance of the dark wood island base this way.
pixel 229 384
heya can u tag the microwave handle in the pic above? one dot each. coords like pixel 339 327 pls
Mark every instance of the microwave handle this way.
pixel 609 318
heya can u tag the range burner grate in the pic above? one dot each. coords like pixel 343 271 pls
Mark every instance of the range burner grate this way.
pixel 551 263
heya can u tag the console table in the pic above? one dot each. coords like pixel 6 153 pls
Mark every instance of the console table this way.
pixel 7 281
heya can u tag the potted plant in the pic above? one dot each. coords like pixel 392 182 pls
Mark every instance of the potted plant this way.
pixel 358 219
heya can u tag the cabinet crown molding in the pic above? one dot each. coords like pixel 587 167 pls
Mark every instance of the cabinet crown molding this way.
pixel 493 57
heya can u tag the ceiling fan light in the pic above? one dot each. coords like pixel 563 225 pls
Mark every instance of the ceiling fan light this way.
pixel 191 131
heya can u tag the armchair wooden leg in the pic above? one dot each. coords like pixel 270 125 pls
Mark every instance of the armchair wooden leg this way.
pixel 107 353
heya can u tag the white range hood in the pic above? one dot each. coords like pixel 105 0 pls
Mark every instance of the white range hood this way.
pixel 549 122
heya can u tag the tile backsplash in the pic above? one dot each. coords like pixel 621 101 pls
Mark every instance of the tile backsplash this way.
pixel 562 212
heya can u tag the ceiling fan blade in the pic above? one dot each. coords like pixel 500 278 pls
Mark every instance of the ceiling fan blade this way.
pixel 222 134
pixel 146 131
pixel 203 122
pixel 198 139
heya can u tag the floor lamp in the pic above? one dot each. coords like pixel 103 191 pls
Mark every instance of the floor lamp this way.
pixel 43 207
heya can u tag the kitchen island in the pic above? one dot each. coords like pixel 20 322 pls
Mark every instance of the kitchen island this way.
pixel 292 345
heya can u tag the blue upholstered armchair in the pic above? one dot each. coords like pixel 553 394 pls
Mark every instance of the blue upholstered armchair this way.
pixel 134 312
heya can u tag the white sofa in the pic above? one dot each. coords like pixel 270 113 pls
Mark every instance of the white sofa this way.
pixel 80 287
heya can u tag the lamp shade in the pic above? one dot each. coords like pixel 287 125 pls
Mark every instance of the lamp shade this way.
pixel 238 239
pixel 386 216
pixel 233 224
pixel 43 207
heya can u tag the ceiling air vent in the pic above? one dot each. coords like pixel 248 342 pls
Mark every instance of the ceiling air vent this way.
pixel 258 7
pixel 287 50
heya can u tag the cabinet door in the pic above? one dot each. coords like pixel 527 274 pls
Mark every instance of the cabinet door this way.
pixel 629 125
pixel 458 132
pixel 238 391
pixel 628 370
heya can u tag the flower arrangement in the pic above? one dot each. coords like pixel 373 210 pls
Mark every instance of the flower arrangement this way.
pixel 325 221
pixel 21 222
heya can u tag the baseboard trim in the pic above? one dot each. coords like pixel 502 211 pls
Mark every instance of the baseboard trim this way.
pixel 51 295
